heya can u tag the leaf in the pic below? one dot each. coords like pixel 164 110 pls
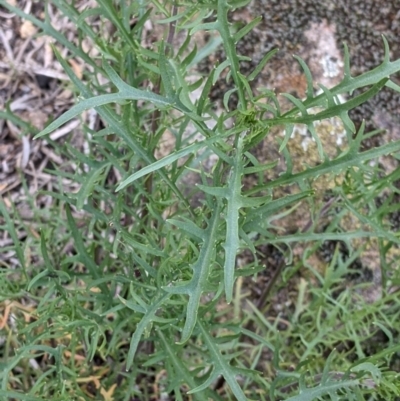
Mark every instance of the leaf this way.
pixel 110 118
pixel 83 255
pixel 370 368
pixel 288 134
pixel 205 93
pixel 246 29
pixel 332 111
pixel 189 58
pixel 331 388
pixel 307 73
pixel 209 48
pixel 165 72
pixel 221 366
pixel 189 227
pixel 230 50
pixel 149 316
pixel 166 161
pixel 14 395
pixel 335 166
pixel 182 374
pixel 349 84
pixel 201 269
pixel 88 184
pixel 13 234
pixel 110 13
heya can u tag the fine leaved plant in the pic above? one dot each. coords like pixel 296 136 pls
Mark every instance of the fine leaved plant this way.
pixel 139 283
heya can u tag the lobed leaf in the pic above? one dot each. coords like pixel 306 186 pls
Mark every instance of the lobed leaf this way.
pixel 221 366
pixel 201 269
pixel 149 316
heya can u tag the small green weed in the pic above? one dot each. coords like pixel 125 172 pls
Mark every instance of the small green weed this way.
pixel 136 289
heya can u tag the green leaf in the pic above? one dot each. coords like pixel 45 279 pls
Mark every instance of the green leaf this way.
pixel 335 166
pixel 235 202
pixel 14 395
pixel 89 183
pixel 201 269
pixel 181 372
pixel 13 234
pixel 221 366
pixel 166 161
pixel 110 118
pixel 189 227
pixel 262 64
pixel 330 387
pixel 148 317
pixel 230 50
pixel 307 72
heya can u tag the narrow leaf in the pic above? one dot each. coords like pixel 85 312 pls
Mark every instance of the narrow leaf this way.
pixel 141 326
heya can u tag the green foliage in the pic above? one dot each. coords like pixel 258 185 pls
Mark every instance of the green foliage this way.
pixel 152 287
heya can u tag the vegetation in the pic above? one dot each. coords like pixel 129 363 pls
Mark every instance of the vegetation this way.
pixel 136 285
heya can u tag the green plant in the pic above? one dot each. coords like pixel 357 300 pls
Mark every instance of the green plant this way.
pixel 149 285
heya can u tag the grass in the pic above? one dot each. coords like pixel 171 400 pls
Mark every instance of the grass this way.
pixel 138 280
